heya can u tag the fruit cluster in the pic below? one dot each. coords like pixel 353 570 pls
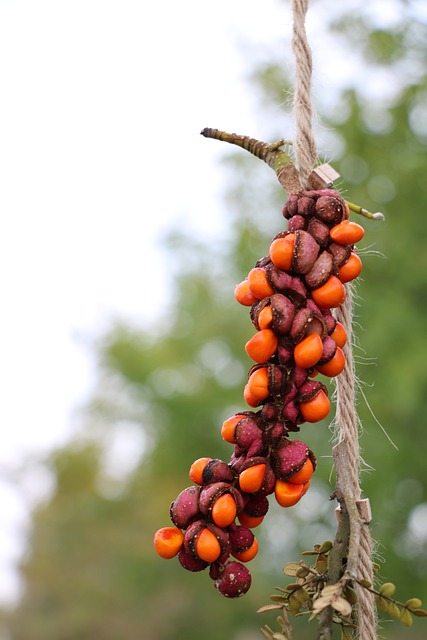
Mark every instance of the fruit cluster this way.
pixel 292 293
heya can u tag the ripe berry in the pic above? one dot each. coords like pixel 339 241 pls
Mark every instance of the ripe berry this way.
pixel 196 470
pixel 243 294
pixel 308 351
pixel 248 554
pixel 315 409
pixel 347 232
pixel 250 521
pixel 351 268
pixel 339 335
pixel 207 546
pixel 258 283
pixel 256 389
pixel 224 510
pixel 281 251
pixel 304 474
pixel 287 493
pixel 168 542
pixel 229 426
pixel 330 295
pixel 265 317
pixel 334 366
pixel 262 345
pixel 234 581
pixel 252 478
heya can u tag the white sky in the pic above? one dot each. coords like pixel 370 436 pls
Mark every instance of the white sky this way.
pixel 101 105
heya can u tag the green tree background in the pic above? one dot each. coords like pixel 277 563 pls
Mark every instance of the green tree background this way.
pixel 90 569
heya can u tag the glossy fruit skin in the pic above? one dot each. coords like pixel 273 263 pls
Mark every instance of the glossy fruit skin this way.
pixel 281 251
pixel 330 295
pixel 243 294
pixel 351 269
pixel 168 542
pixel 248 554
pixel 196 470
pixel 262 345
pixel 339 335
pixel 316 409
pixel 224 510
pixel 335 366
pixel 252 478
pixel 308 352
pixel 347 232
pixel 287 493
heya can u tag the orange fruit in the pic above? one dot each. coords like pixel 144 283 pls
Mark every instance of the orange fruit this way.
pixel 207 546
pixel 258 283
pixel 243 294
pixel 351 268
pixel 335 365
pixel 281 252
pixel 339 334
pixel 317 408
pixel 256 388
pixel 330 295
pixel 224 510
pixel 287 494
pixel 250 521
pixel 265 317
pixel 168 542
pixel 347 232
pixel 196 470
pixel 308 351
pixel 229 426
pixel 248 554
pixel 262 345
pixel 304 474
pixel 251 479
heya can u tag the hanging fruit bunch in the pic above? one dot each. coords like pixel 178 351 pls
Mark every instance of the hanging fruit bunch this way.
pixel 292 293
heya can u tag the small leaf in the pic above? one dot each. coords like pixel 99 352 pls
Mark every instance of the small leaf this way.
pixel 325 546
pixel 294 605
pixel 302 572
pixel 376 567
pixel 413 603
pixel 365 583
pixel 346 634
pixel 302 595
pixel 279 636
pixel 331 589
pixel 420 613
pixel 280 599
pixel 266 633
pixel 394 610
pixel 351 595
pixel 387 589
pixel 269 607
pixel 382 604
pixel 406 618
pixel 342 605
pixel 293 586
pixel 321 563
pixel 291 569
pixel 321 603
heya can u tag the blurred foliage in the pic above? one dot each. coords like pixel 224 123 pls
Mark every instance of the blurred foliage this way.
pixel 90 570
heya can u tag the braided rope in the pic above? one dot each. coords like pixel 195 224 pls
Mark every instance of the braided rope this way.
pixel 346 415
pixel 305 145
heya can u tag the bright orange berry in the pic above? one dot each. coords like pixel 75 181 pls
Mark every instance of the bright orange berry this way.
pixel 347 232
pixel 262 345
pixel 339 334
pixel 196 469
pixel 224 510
pixel 334 366
pixel 168 542
pixel 265 317
pixel 330 295
pixel 250 521
pixel 351 268
pixel 243 294
pixel 256 389
pixel 308 351
pixel 248 554
pixel 207 546
pixel 229 426
pixel 317 408
pixel 251 479
pixel 281 252
pixel 258 283
pixel 304 474
pixel 288 494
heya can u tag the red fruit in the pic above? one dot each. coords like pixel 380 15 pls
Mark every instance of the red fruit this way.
pixel 234 581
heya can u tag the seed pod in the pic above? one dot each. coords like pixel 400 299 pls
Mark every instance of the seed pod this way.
pixel 185 508
pixel 241 538
pixel 305 252
pixel 189 562
pixel 234 581
pixel 328 351
pixel 212 492
pixel 329 209
pixel 193 533
pixel 257 505
pixel 289 457
pixel 217 471
pixel 283 282
pixel 300 323
pixel 248 436
pixel 297 222
pixel 321 271
pixel 340 253
pixel 290 207
pixel 319 230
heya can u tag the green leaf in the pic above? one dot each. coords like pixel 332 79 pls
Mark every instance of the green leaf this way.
pixel 325 546
pixel 351 595
pixel 365 583
pixel 413 603
pixel 291 569
pixel 387 589
pixel 406 618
